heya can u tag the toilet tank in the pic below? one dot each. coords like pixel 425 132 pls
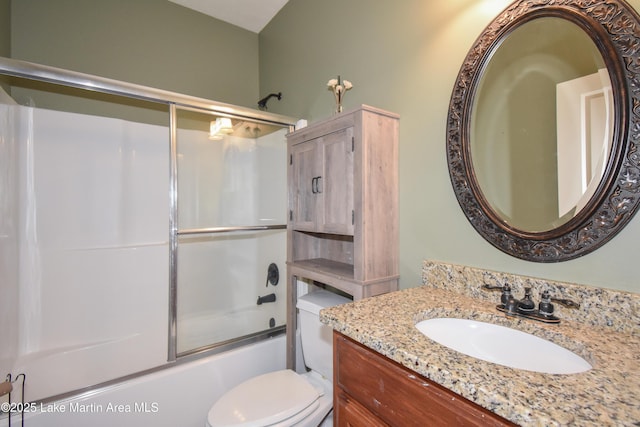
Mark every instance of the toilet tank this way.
pixel 316 337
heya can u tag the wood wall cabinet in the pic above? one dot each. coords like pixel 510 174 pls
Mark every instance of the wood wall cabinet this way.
pixel 342 225
pixel 322 184
pixel 372 390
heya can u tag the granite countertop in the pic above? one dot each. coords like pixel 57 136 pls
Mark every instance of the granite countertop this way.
pixel 607 395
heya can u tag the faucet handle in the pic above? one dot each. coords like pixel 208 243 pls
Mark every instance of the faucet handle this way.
pixel 566 302
pixel 506 292
pixel 545 307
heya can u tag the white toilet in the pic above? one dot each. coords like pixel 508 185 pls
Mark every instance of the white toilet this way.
pixel 285 398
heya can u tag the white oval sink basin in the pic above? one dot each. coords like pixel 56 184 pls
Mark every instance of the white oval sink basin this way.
pixel 503 346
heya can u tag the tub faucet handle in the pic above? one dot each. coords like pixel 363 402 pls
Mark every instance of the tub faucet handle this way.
pixel 273 275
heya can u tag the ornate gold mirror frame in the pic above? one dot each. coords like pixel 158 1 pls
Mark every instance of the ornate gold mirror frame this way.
pixel 614 27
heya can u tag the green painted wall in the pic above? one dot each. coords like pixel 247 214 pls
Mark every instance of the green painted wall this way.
pixel 404 56
pixel 149 42
pixel 5 27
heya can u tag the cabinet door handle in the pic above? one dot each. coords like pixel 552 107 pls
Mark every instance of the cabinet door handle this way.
pixel 315 185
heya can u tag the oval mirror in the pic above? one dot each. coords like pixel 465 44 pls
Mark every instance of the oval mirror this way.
pixel 542 128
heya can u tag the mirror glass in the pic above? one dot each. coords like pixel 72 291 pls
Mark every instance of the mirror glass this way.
pixel 541 124
pixel 543 128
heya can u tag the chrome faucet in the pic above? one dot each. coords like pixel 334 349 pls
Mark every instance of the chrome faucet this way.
pixel 526 307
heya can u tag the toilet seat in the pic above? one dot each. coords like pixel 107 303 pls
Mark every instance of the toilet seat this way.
pixel 280 398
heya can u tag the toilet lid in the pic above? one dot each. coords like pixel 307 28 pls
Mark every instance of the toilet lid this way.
pixel 263 400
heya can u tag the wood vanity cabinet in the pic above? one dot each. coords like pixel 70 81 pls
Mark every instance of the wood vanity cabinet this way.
pixel 342 227
pixel 372 390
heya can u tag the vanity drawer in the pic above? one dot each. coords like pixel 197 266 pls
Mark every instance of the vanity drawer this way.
pixel 396 395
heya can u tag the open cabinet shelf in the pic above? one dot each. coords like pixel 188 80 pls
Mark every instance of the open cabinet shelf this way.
pixel 321 266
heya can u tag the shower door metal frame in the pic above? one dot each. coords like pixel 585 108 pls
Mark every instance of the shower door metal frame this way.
pixel 174 100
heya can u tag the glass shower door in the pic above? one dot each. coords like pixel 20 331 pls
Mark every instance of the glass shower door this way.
pixel 231 198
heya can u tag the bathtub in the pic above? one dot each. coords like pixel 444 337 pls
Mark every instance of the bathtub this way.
pixel 180 395
pixel 65 368
pixel 90 291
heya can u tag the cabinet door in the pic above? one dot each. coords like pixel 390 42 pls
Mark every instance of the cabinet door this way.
pixel 306 167
pixel 336 183
pixel 349 413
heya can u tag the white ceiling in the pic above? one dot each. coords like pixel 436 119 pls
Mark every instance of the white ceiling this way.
pixel 252 15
